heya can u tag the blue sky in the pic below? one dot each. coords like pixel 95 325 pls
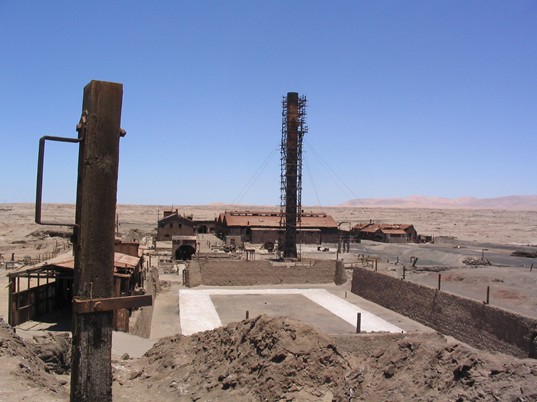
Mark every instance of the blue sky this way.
pixel 435 98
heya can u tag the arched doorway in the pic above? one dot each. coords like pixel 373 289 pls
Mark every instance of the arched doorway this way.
pixel 184 252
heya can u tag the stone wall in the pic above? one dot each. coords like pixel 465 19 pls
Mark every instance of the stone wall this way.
pixel 249 273
pixel 141 318
pixel 473 322
pixel 192 274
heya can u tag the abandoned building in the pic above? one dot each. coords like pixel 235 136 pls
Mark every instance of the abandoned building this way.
pixel 386 233
pixel 183 247
pixel 174 224
pixel 262 227
pixel 47 288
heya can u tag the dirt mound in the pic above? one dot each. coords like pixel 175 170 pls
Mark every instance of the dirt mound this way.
pixel 133 235
pixel 280 359
pixel 258 359
pixel 429 367
pixel 23 375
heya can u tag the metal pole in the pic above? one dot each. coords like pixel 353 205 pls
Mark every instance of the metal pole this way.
pixel 91 371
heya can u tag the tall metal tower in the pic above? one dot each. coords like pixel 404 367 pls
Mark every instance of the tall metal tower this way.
pixel 293 129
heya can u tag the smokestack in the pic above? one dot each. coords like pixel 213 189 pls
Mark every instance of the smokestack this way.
pixel 291 175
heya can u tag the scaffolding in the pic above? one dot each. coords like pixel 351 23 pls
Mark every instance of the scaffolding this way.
pixel 293 129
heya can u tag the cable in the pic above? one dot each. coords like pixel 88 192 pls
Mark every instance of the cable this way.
pixel 312 182
pixel 255 176
pixel 334 173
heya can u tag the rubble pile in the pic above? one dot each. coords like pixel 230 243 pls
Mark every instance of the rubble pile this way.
pixel 24 375
pixel 54 349
pixel 257 359
pixel 427 367
pixel 476 261
pixel 280 359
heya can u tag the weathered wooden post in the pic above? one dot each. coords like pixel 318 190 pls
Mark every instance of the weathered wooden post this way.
pixel 439 280
pixel 91 370
pixel 358 322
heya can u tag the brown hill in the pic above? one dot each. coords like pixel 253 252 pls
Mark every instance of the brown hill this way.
pixel 513 202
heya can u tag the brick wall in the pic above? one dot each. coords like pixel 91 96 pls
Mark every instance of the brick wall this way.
pixel 479 325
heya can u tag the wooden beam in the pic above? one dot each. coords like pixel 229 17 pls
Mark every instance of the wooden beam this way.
pixel 91 371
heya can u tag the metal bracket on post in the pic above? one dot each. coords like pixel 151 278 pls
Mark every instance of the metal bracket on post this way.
pixel 39 189
pixel 80 127
pixel 109 304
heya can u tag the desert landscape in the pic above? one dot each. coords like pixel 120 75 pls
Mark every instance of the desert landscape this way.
pixel 272 357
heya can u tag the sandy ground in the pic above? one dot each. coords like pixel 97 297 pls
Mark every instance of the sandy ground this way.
pixel 484 226
pixel 459 234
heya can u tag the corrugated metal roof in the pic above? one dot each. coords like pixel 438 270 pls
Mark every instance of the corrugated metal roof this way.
pixel 373 227
pixel 67 260
pixel 272 219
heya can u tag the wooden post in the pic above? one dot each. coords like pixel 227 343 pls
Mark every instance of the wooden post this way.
pixel 247 314
pixel 404 272
pixel 358 322
pixel 91 371
pixel 488 295
pixel 439 280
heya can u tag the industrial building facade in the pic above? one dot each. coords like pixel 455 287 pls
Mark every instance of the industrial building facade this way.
pixel 261 227
pixel 174 224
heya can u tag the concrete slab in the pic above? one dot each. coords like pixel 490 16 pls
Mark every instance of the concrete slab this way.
pixel 198 313
pixel 233 308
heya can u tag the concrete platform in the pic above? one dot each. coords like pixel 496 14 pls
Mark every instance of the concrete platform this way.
pixel 325 309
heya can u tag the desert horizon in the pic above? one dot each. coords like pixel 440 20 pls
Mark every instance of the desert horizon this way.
pixel 527 202
pixel 500 226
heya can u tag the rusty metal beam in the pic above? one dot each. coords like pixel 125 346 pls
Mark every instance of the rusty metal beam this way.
pixel 110 304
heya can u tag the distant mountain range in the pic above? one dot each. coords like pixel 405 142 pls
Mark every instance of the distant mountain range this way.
pixel 512 202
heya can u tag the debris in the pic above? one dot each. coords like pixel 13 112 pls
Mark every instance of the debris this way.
pixel 476 261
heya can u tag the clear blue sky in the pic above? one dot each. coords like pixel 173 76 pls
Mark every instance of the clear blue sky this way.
pixel 434 98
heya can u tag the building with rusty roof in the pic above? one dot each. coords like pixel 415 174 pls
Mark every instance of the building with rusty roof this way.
pixel 387 233
pixel 262 226
pixel 47 287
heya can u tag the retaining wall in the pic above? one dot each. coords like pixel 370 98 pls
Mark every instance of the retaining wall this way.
pixel 249 273
pixel 473 322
